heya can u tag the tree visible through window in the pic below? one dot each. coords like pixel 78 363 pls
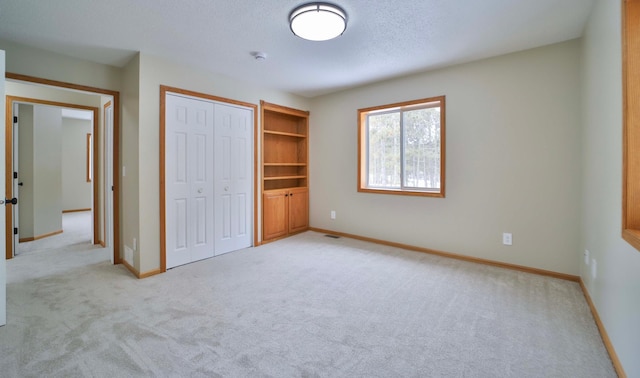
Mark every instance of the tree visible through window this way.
pixel 401 148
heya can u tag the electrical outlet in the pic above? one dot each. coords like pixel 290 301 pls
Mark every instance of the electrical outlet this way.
pixel 586 257
pixel 507 238
pixel 333 214
pixel 135 244
pixel 128 255
pixel 594 268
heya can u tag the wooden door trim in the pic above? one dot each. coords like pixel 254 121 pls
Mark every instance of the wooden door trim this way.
pixel 105 202
pixel 116 142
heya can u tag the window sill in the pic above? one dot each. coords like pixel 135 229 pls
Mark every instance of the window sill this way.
pixel 402 192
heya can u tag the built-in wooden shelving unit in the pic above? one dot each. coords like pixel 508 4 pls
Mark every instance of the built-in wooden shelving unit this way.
pixel 285 155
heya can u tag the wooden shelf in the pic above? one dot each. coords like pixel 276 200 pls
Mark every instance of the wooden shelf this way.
pixel 284 178
pixel 285 164
pixel 282 189
pixel 270 132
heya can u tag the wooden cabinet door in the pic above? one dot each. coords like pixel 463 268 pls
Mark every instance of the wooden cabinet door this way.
pixel 275 214
pixel 298 209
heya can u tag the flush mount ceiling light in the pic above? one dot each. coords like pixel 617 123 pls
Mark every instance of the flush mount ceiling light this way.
pixel 318 21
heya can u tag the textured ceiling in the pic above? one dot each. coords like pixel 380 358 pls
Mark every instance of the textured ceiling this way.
pixel 384 38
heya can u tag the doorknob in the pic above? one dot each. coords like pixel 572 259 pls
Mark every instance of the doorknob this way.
pixel 9 201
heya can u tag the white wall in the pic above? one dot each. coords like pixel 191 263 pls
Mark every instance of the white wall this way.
pixel 76 191
pixel 512 161
pixel 616 288
pixel 47 170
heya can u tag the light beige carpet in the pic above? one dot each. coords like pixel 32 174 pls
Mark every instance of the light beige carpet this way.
pixel 306 306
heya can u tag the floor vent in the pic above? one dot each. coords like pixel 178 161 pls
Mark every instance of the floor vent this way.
pixel 333 236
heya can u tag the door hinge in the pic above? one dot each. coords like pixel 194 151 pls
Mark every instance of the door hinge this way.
pixel 112 188
pixel 15 119
pixel 15 230
pixel 15 175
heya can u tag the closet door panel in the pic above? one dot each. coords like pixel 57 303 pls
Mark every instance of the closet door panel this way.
pixel 189 180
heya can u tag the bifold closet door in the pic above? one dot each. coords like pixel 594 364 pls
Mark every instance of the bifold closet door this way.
pixel 189 180
pixel 233 178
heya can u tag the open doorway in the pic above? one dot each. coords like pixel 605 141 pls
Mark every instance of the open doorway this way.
pixel 53 166
pixel 101 159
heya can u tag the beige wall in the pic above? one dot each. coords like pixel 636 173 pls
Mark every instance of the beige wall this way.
pixel 40 169
pixel 153 73
pixel 76 191
pixel 129 146
pixel 30 61
pixel 616 288
pixel 512 161
pixel 47 169
pixel 31 91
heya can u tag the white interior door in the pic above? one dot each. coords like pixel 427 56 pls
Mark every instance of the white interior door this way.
pixel 189 180
pixel 108 181
pixel 233 178
pixel 3 261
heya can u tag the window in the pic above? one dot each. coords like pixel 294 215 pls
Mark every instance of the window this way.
pixel 401 148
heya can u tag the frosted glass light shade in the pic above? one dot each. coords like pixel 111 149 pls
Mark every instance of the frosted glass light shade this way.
pixel 318 21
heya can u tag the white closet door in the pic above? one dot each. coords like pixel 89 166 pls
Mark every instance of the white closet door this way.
pixel 189 180
pixel 233 178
